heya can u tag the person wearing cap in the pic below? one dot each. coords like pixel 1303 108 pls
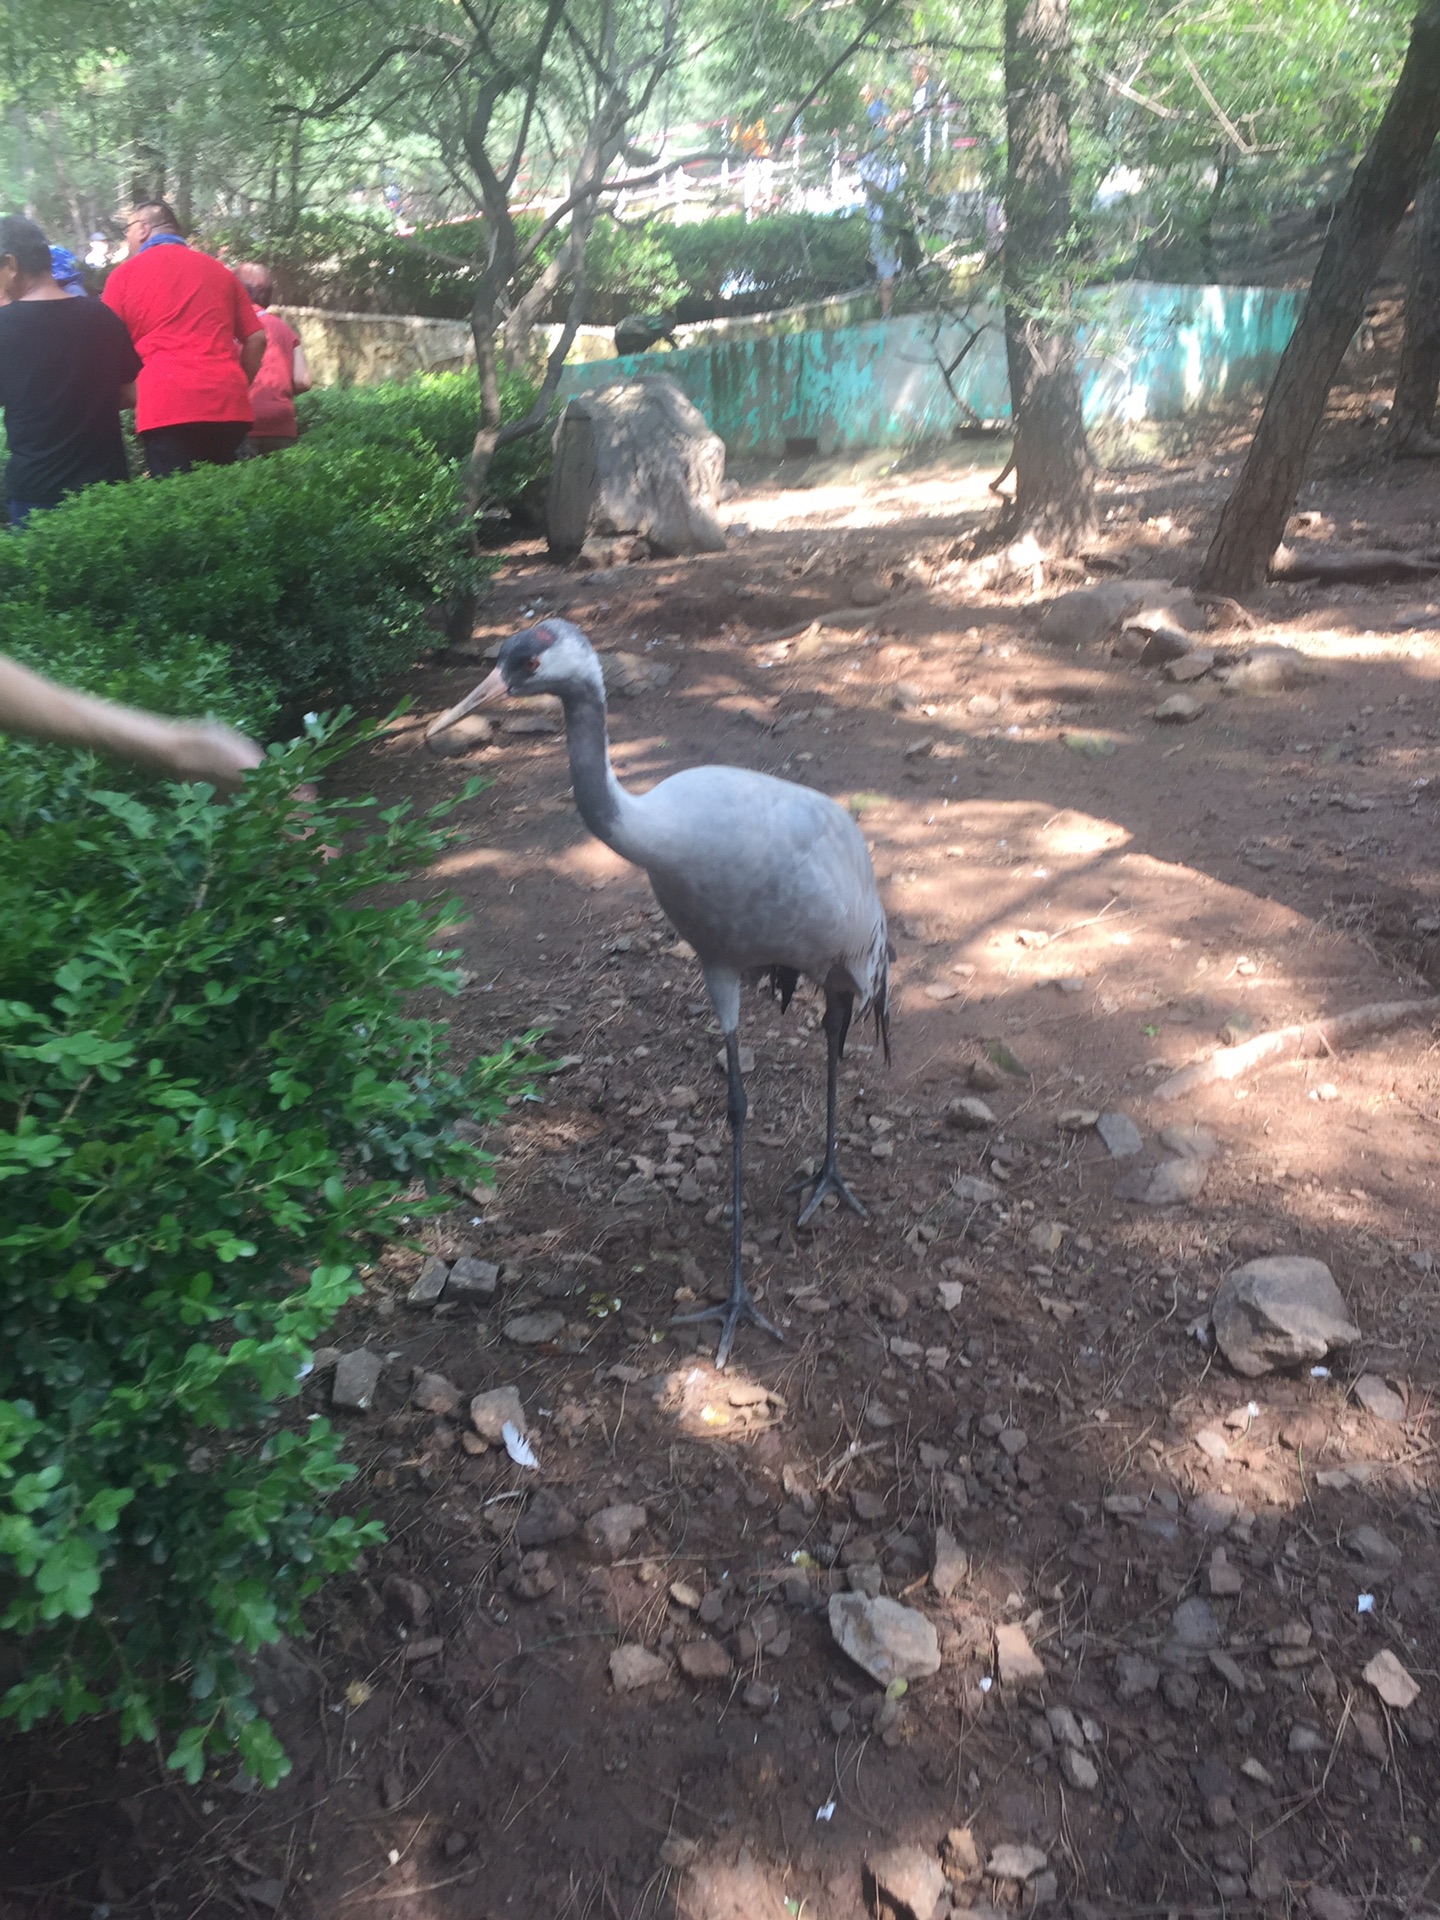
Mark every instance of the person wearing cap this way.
pixel 66 369
pixel 200 339
pixel 284 371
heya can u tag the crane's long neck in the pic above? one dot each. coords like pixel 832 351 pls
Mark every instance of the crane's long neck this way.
pixel 611 814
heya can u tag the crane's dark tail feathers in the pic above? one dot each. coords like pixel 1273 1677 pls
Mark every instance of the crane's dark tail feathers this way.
pixel 880 1005
pixel 784 980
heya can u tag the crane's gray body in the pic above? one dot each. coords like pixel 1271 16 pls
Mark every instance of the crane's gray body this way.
pixel 756 873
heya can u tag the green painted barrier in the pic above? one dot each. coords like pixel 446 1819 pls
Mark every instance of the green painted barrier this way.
pixel 1149 352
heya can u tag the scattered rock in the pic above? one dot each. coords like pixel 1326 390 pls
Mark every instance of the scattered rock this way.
pixel 1306 1739
pixel 1326 1903
pixel 1065 1729
pixel 970 1114
pixel 1370 1545
pixel 1047 1237
pixel 1223 1580
pixel 633 675
pixel 1270 669
pixel 1193 1625
pixel 1388 1677
pixel 973 1191
pixel 706 1660
pixel 1190 1143
pixel 534 1329
pixel 357 1374
pixel 634 1667
pixel 1279 1312
pixel 1089 614
pixel 609 1533
pixel 889 1641
pixel 905 696
pixel 1077 1119
pixel 462 736
pixel 1121 1135
pixel 1170 1184
pixel 985 1075
pixel 1015 1863
pixel 477 1278
pixel 545 1520
pixel 1179 710
pixel 758 1696
pixel 1193 665
pixel 433 1274
pixel 1377 1396
pixel 1081 1773
pixel 406 1599
pixel 433 1393
pixel 1016 1660
pixel 546 720
pixel 909 1878
pixel 960 1855
pixel 952 1565
pixel 1162 642
pixel 264 1893
pixel 490 1411
pixel 1135 1676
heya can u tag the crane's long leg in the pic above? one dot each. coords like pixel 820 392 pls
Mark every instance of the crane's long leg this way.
pixel 739 1307
pixel 838 1008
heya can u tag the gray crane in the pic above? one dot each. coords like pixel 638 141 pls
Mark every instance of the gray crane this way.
pixel 760 876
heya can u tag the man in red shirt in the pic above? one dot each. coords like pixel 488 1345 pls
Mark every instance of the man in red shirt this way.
pixel 199 338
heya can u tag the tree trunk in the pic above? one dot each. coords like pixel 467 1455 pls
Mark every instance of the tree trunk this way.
pixel 1412 418
pixel 1054 479
pixel 1252 522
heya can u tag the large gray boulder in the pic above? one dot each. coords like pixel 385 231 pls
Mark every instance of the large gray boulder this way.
pixel 1279 1312
pixel 635 458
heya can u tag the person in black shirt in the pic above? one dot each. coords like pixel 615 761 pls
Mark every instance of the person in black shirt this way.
pixel 67 366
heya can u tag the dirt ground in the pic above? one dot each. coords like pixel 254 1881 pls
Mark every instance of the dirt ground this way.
pixel 1082 900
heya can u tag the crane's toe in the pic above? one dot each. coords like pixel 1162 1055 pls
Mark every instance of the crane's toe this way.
pixel 739 1309
pixel 828 1180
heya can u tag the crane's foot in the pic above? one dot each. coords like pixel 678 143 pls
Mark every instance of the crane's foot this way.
pixel 738 1309
pixel 828 1180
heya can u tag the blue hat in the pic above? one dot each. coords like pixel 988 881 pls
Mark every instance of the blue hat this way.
pixel 65 270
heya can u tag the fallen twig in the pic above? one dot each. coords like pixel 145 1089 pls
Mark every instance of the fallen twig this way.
pixel 1307 1036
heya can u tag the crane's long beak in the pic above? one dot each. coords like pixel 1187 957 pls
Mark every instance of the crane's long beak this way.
pixel 490 690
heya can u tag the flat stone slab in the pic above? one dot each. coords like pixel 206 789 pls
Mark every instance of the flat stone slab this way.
pixel 357 1374
pixel 889 1641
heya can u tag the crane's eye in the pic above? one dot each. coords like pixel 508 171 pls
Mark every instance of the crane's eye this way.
pixel 532 665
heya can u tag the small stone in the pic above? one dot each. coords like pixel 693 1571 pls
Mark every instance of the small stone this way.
pixel 1213 1445
pixel 1260 1774
pixel 265 1893
pixel 357 1374
pixel 1190 666
pixel 534 1329
pixel 1307 1739
pixel 633 1667
pixel 1270 669
pixel 1170 1184
pixel 1047 1237
pixel 490 1412
pixel 890 1641
pixel 545 1520
pixel 705 1660
pixel 1065 1729
pixel 1378 1397
pixel 1229 1671
pixel 972 1191
pixel 758 1696
pixel 985 1075
pixel 905 696
pixel 433 1393
pixel 684 1595
pixel 1213 1512
pixel 868 1504
pixel 609 1533
pixel 521 724
pixel 1015 1863
pixel 1395 1686
pixel 1374 1548
pixel 1193 1624
pixel 952 1565
pixel 478 1278
pixel 1016 1660
pixel 1190 1143
pixel 1326 1903
pixel 969 1113
pixel 406 1599
pixel 1081 1773
pixel 1180 1691
pixel 1077 1119
pixel 1012 1441
pixel 1223 1580
pixel 430 1284
pixel 1179 710
pixel 909 1879
pixel 960 1855
pixel 1135 1676
pixel 463 736
pixel 1219 1811
pixel 1121 1135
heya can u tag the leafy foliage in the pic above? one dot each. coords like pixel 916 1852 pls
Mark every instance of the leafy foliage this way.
pixel 210 1095
pixel 312 570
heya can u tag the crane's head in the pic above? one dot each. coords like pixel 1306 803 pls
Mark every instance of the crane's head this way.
pixel 553 657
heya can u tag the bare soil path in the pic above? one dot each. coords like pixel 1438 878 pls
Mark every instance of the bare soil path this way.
pixel 1083 901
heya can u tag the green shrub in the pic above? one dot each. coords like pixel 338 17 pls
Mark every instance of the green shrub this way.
pixel 210 1096
pixel 779 260
pixel 313 570
pixel 439 413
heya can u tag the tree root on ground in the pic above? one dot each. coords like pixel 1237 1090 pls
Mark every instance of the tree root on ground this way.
pixel 1359 566
pixel 1306 1037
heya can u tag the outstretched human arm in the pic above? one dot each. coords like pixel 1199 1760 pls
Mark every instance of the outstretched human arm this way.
pixel 184 749
pixel 252 352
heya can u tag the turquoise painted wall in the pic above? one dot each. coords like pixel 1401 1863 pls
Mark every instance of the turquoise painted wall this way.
pixel 1148 352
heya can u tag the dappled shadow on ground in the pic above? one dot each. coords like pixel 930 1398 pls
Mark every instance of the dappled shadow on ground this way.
pixel 1082 901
